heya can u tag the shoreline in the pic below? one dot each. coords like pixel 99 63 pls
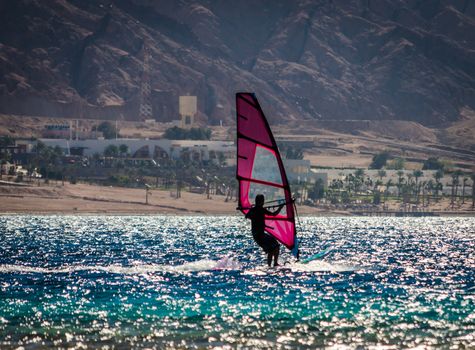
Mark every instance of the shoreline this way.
pixel 85 199
pixel 217 214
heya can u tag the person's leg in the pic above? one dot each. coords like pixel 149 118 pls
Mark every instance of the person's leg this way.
pixel 276 256
pixel 269 259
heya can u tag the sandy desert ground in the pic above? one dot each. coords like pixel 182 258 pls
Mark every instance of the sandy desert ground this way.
pixel 91 199
pixel 84 198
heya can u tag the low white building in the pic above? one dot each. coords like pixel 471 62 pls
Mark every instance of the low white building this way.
pixel 200 150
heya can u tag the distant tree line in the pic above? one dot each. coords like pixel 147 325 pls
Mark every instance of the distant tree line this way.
pixel 383 160
pixel 433 163
pixel 108 130
pixel 291 152
pixel 176 133
pixel 411 187
pixel 5 142
pixel 114 151
pixel 379 160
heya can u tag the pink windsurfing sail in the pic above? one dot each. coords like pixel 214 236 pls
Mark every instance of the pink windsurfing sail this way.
pixel 260 170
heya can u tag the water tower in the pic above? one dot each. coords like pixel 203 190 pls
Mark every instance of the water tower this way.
pixel 187 110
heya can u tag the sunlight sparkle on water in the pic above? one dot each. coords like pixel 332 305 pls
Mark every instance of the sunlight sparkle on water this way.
pixel 97 281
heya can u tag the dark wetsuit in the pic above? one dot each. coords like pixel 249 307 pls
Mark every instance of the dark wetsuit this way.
pixel 264 240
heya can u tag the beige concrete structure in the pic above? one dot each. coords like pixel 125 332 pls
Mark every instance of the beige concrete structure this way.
pixel 187 109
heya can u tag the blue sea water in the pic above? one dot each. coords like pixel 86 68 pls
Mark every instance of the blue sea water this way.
pixel 200 282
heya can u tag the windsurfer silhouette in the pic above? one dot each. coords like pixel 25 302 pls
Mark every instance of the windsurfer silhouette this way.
pixel 257 216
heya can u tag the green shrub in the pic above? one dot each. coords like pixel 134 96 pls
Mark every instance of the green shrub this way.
pixel 177 133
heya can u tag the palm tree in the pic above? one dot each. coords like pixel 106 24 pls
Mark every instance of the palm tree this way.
pixel 348 181
pixel 123 150
pixel 423 186
pixel 409 190
pixel 381 174
pixel 439 174
pixel 359 173
pixel 465 179
pixel 430 188
pixel 453 195
pixel 334 187
pixel 417 174
pixel 111 151
pixel 439 187
pixel 377 183
pixel 229 185
pixel 369 183
pixel 359 177
pixel 341 186
pixel 473 190
pixel 406 192
pixel 400 180
pixel 389 184
pixel 455 178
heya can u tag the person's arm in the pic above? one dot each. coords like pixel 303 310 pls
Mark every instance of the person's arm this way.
pixel 274 213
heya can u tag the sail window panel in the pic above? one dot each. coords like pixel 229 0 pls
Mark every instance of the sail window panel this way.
pixel 265 167
pixel 251 123
pixel 272 195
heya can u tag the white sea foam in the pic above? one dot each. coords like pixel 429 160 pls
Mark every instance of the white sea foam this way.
pixel 319 265
pixel 313 266
pixel 225 263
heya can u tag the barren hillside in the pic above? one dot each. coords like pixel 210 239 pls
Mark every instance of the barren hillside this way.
pixel 307 60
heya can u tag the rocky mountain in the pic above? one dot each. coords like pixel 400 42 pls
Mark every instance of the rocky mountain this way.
pixel 305 59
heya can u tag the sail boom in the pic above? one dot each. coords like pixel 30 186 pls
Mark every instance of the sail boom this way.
pixel 262 182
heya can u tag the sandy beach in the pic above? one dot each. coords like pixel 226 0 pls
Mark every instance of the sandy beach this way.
pixel 84 198
pixel 92 199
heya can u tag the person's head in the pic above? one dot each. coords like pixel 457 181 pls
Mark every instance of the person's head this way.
pixel 259 200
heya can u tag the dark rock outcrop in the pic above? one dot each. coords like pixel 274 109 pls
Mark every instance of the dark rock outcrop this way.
pixel 308 59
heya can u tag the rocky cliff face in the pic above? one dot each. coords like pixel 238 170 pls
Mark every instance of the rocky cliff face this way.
pixel 306 59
